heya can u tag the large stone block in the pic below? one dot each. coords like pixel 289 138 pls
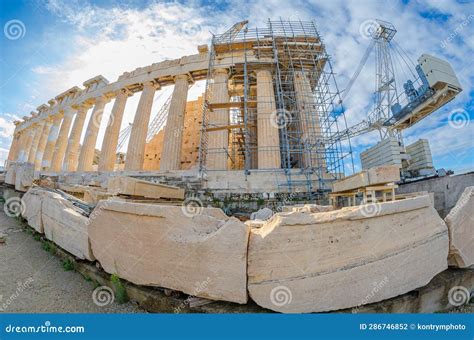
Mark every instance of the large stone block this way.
pixel 24 176
pixel 10 176
pixel 313 262
pixel 372 176
pixel 167 246
pixel 460 223
pixel 65 226
pixel 136 187
pixel 32 207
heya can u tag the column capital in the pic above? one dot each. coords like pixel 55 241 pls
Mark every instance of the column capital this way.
pixel 125 91
pixel 181 77
pixel 101 100
pixel 221 71
pixel 151 84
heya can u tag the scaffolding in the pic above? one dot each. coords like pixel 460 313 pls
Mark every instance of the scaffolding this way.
pixel 308 107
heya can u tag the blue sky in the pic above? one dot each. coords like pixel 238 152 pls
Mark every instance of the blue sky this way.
pixel 63 43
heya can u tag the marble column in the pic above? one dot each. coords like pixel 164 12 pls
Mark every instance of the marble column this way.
pixel 72 151
pixel 51 142
pixel 27 146
pixel 34 141
pixel 21 145
pixel 218 141
pixel 13 153
pixel 268 139
pixel 42 142
pixel 61 142
pixel 313 153
pixel 137 142
pixel 108 151
pixel 86 157
pixel 173 138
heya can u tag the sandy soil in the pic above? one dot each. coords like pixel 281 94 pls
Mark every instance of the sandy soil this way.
pixel 34 281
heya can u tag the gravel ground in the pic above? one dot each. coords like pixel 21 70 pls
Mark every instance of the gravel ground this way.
pixel 34 281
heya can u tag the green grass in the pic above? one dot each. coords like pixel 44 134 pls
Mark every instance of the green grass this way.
pixel 50 247
pixel 68 265
pixel 121 295
pixel 37 237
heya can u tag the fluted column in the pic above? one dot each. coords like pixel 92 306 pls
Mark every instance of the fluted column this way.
pixel 61 142
pixel 136 144
pixel 27 146
pixel 35 141
pixel 108 151
pixel 13 153
pixel 21 145
pixel 313 152
pixel 72 151
pixel 218 140
pixel 42 142
pixel 173 138
pixel 86 157
pixel 51 143
pixel 268 139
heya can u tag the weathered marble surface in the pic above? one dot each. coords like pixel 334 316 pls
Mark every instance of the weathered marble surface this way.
pixel 65 226
pixel 315 262
pixel 33 202
pixel 460 223
pixel 24 176
pixel 203 255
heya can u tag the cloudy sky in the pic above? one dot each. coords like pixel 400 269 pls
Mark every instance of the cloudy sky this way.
pixel 48 46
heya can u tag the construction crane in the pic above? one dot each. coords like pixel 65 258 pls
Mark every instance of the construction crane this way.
pixel 393 111
pixel 231 33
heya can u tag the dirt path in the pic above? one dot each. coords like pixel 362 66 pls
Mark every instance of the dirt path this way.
pixel 34 281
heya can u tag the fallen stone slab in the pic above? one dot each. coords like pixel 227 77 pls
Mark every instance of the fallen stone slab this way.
pixel 136 187
pixel 66 226
pixel 32 203
pixel 24 176
pixel 200 252
pixel 10 176
pixel 302 262
pixel 373 176
pixel 460 223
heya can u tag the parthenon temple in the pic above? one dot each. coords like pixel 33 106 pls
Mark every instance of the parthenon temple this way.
pixel 268 113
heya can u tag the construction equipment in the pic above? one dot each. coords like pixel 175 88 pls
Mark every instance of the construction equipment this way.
pixel 393 111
